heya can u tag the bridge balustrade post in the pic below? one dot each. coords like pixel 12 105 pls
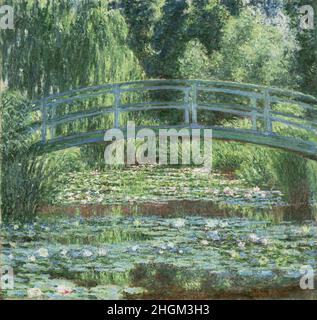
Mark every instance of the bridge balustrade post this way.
pixel 116 106
pixel 254 113
pixel 53 126
pixel 43 128
pixel 267 112
pixel 194 103
pixel 186 106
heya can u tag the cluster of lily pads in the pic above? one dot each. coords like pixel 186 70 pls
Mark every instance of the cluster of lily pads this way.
pixel 113 257
pixel 146 183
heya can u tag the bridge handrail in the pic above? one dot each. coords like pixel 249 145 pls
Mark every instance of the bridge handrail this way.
pixel 255 102
pixel 287 92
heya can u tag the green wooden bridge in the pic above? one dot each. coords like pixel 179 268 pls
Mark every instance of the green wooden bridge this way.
pixel 249 113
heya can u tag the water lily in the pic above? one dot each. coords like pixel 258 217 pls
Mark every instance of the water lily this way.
pixel 102 252
pixel 228 191
pixel 263 260
pixel 64 252
pixel 213 235
pixel 179 223
pixel 234 254
pixel 32 258
pixel 248 195
pixel 43 252
pixel 63 290
pixel 241 244
pixel 204 242
pixel 171 245
pixel 137 223
pixel 163 247
pixel 305 229
pixel 253 237
pixel 87 253
pixel 34 293
pixel 223 224
pixel 256 189
pixel 264 241
pixel 211 224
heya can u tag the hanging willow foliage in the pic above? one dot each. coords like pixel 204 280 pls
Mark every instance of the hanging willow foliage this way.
pixel 58 45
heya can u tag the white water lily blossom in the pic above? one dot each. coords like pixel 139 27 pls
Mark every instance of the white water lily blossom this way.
pixel 102 252
pixel 223 224
pixel 34 293
pixel 253 237
pixel 87 253
pixel 171 245
pixel 43 252
pixel 212 223
pixel 264 241
pixel 64 252
pixel 179 223
pixel 241 244
pixel 31 258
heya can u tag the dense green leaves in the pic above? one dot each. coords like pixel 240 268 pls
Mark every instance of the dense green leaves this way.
pixel 58 45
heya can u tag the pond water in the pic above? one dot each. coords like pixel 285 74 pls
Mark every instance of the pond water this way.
pixel 149 256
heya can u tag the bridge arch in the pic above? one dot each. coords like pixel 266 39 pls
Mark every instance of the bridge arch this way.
pixel 273 117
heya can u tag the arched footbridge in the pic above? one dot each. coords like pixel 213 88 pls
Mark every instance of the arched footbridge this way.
pixel 234 111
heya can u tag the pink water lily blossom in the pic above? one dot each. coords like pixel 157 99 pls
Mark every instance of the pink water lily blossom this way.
pixel 63 290
pixel 256 189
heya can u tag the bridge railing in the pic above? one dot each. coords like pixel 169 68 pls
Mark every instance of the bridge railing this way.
pixel 266 111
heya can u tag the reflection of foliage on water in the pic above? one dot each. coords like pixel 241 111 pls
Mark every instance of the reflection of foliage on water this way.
pixel 146 256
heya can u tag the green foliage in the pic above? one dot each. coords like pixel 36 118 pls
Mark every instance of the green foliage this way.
pixel 195 62
pixel 257 167
pixel 227 156
pixel 306 58
pixel 170 36
pixel 253 51
pixel 14 118
pixel 160 31
pixel 293 176
pixel 22 173
pixel 208 18
pixel 142 16
pixel 73 45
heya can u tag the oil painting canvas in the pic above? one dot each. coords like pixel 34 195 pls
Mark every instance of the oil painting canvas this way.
pixel 158 150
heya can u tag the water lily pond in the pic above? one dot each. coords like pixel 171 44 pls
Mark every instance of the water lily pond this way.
pixel 150 256
pixel 155 183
